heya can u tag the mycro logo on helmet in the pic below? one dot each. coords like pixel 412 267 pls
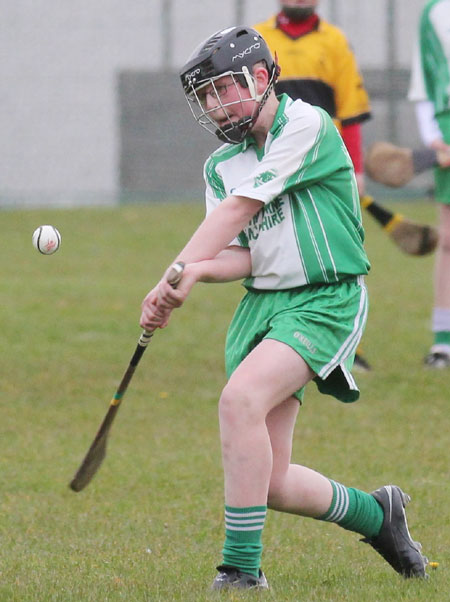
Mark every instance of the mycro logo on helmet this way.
pixel 192 74
pixel 249 50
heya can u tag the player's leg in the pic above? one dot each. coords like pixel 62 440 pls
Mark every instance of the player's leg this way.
pixel 256 433
pixel 299 490
pixel 379 516
pixel 271 373
pixel 263 376
pixel 439 356
pixel 293 488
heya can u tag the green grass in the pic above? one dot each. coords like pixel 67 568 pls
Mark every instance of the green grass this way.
pixel 149 526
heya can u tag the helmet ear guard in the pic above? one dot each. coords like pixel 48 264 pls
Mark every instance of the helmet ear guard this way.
pixel 250 84
pixel 250 80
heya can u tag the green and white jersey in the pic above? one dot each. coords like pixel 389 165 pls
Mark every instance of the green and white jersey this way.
pixel 309 230
pixel 430 78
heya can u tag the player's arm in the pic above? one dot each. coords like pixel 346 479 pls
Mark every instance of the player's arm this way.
pixel 430 132
pixel 352 136
pixel 233 263
pixel 219 228
pixel 212 237
pixel 427 124
pixel 352 105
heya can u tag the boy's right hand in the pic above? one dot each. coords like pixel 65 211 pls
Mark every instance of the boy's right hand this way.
pixel 160 301
pixel 152 316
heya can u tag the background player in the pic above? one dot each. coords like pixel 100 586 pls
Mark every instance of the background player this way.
pixel 430 90
pixel 283 213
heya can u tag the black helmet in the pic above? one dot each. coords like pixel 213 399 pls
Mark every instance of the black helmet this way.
pixel 233 51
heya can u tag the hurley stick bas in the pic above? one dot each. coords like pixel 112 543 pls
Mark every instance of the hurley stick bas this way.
pixel 412 238
pixel 97 450
pixel 395 166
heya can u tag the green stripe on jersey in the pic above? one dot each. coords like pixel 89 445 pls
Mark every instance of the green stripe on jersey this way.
pixel 312 240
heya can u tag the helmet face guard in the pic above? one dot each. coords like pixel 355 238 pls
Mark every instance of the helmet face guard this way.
pixel 233 132
pixel 232 52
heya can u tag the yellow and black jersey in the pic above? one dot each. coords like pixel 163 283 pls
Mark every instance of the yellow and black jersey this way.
pixel 320 68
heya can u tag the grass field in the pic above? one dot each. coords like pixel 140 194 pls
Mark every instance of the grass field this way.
pixel 149 527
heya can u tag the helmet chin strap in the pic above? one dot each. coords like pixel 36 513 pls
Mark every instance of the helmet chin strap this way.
pixel 236 131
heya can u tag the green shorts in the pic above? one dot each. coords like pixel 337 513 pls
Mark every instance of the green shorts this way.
pixel 442 176
pixel 323 323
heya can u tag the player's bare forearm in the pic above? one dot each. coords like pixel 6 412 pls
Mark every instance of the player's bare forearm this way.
pixel 208 245
pixel 210 241
pixel 219 228
pixel 233 263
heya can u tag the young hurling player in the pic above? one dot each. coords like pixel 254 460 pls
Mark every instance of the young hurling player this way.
pixel 430 90
pixel 283 213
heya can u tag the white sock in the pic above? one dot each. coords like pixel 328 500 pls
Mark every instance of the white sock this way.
pixel 440 348
pixel 441 319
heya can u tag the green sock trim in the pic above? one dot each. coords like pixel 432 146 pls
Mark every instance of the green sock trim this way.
pixel 442 337
pixel 354 510
pixel 243 530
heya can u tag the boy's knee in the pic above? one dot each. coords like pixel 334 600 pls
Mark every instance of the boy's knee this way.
pixel 237 406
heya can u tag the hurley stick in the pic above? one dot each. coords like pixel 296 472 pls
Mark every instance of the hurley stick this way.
pixel 97 450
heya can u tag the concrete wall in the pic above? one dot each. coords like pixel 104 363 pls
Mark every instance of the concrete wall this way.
pixel 162 148
pixel 63 68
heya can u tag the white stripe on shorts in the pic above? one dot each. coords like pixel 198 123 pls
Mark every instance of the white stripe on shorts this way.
pixel 350 344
